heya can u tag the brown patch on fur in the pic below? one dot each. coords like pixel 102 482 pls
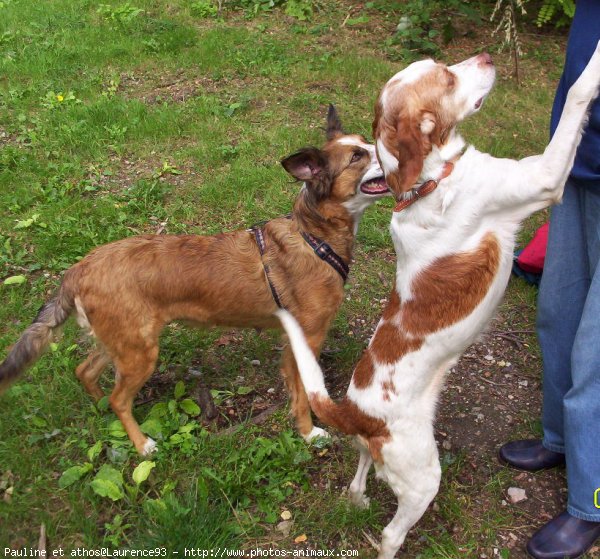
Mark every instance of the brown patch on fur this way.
pixel 450 288
pixel 446 292
pixel 347 417
pixel 375 445
pixel 398 124
pixel 363 374
pixel 393 306
pixel 388 387
pixel 390 344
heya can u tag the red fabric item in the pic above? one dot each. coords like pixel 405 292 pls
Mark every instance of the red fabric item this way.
pixel 532 258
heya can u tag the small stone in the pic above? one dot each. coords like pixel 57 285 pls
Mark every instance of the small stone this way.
pixel 255 363
pixel 8 493
pixel 285 528
pixel 516 494
pixel 286 515
pixel 489 358
pixel 446 445
pixel 271 391
pixel 523 383
pixel 300 539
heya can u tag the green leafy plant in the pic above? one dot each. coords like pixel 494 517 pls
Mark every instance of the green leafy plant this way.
pixel 115 531
pixel 120 15
pixel 559 11
pixel 204 9
pixel 263 474
pixel 54 100
pixel 111 88
pixel 300 9
pixel 170 423
pixel 423 24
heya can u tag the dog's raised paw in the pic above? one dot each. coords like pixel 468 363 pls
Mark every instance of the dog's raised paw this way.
pixel 316 433
pixel 149 447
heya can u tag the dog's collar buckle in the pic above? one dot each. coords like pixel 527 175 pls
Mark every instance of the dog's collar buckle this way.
pixel 426 188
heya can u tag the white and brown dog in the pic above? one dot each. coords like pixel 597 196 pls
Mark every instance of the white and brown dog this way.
pixel 453 231
pixel 125 292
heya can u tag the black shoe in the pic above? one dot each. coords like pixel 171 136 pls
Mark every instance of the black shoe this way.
pixel 563 537
pixel 529 455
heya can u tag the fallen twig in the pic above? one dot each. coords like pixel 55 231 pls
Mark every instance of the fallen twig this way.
pixel 42 541
pixel 372 541
pixel 257 420
pixel 492 382
pixel 513 339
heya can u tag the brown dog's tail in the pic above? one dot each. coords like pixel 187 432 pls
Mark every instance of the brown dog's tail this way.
pixel 34 341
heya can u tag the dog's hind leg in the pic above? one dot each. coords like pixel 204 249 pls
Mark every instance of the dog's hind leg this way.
pixel 412 469
pixel 89 371
pixel 359 483
pixel 133 370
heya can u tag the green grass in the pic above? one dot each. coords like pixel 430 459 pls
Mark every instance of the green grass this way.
pixel 113 122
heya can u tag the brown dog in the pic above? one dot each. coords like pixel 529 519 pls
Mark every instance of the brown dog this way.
pixel 125 292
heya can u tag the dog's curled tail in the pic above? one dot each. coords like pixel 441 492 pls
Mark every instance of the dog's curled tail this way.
pixel 34 341
pixel 328 411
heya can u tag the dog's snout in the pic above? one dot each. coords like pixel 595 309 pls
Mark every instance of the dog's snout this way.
pixel 484 59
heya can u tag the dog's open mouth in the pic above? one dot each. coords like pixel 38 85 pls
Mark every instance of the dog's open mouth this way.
pixel 374 186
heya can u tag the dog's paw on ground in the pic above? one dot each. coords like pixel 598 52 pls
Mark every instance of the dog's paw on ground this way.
pixel 316 434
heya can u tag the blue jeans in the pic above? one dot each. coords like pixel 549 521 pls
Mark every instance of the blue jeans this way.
pixel 568 326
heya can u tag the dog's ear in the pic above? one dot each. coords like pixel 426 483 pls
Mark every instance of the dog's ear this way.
pixel 410 153
pixel 334 124
pixel 411 143
pixel 308 164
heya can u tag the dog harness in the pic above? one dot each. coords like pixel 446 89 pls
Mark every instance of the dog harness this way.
pixel 321 248
pixel 326 253
pixel 260 241
pixel 426 188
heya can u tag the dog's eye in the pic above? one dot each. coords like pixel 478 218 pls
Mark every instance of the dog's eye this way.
pixel 357 156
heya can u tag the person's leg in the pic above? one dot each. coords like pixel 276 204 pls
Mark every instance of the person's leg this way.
pixel 561 299
pixel 582 401
pixel 575 530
